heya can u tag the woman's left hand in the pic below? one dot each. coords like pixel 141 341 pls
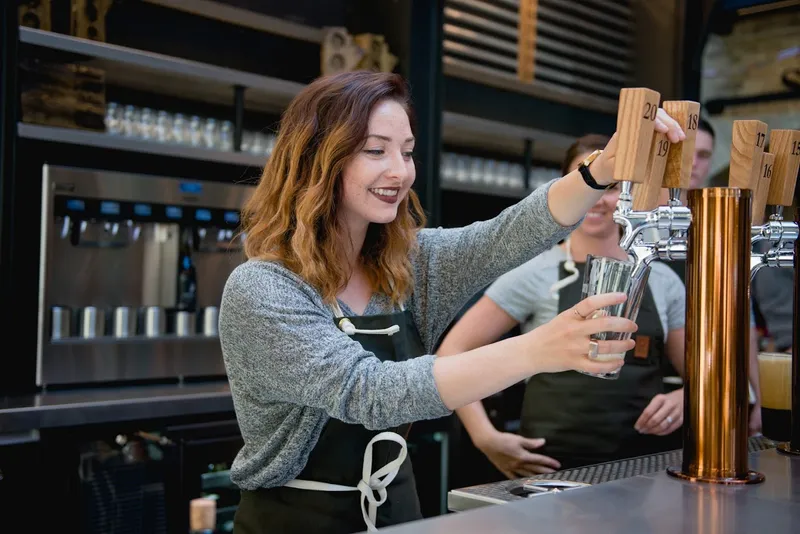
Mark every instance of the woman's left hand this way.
pixel 663 415
pixel 602 168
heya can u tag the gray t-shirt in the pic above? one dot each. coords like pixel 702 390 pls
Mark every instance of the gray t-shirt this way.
pixel 524 293
pixel 291 369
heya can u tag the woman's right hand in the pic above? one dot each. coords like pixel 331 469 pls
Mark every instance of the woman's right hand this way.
pixel 512 454
pixel 563 344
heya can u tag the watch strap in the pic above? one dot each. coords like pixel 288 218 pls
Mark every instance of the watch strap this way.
pixel 589 179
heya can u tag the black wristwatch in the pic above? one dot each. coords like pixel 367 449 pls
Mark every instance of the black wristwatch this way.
pixel 587 176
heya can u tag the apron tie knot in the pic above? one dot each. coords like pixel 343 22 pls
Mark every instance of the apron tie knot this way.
pixel 370 482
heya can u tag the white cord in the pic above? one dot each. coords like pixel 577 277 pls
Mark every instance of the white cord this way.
pixel 349 328
pixel 569 266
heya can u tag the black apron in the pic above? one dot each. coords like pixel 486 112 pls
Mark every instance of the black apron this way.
pixel 588 420
pixel 338 457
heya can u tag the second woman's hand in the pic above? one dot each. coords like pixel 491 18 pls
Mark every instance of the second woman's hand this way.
pixel 564 343
pixel 512 454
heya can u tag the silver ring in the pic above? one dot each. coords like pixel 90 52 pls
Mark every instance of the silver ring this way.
pixel 669 420
pixel 594 348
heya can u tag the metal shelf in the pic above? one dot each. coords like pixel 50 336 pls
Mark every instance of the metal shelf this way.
pixel 467 187
pixel 169 75
pixel 114 142
pixel 485 134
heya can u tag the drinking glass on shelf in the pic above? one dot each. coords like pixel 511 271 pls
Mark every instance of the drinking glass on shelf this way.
pixel 147 124
pixel 502 175
pixel 210 136
pixel 490 169
pixel 130 121
pixel 516 177
pixel 475 169
pixel 259 144
pixel 247 140
pixel 461 170
pixel 114 118
pixel 195 131
pixel 609 275
pixel 269 144
pixel 163 127
pixel 179 129
pixel 226 136
pixel 447 167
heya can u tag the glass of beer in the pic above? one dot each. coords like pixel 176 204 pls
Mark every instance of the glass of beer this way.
pixel 609 275
pixel 775 378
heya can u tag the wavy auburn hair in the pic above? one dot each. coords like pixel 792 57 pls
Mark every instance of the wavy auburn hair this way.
pixel 292 216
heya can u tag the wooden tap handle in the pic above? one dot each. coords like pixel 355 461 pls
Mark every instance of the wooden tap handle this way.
pixel 645 195
pixel 785 144
pixel 681 155
pixel 635 125
pixel 747 146
pixel 762 189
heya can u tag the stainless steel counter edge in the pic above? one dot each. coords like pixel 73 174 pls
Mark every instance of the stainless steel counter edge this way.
pixel 94 406
pixel 644 504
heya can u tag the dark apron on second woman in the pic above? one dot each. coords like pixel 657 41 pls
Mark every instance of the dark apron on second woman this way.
pixel 339 458
pixel 586 420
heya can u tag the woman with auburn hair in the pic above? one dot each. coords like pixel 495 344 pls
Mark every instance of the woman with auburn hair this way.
pixel 328 329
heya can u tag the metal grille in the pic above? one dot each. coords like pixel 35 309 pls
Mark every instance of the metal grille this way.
pixel 121 496
pixel 581 48
pixel 508 490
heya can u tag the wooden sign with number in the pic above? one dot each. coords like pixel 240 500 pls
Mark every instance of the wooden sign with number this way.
pixel 681 155
pixel 635 125
pixel 785 144
pixel 747 147
pixel 762 189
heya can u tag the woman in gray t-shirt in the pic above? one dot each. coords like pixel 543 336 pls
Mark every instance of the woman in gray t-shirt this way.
pixel 570 419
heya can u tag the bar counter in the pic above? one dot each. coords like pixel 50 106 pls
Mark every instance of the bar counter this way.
pixel 54 409
pixel 643 503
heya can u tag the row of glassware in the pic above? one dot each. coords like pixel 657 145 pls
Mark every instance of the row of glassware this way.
pixel 160 126
pixel 460 168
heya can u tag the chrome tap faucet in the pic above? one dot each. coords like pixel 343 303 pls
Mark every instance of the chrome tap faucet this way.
pixel 650 231
pixel 774 186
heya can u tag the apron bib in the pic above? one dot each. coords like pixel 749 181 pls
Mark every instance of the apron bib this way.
pixel 355 479
pixel 587 420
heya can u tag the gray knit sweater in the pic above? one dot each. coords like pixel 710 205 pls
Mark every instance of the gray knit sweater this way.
pixel 290 368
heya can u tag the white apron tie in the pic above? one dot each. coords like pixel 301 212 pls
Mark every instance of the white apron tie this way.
pixel 370 482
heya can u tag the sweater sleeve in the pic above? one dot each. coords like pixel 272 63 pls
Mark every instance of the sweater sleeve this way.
pixel 280 344
pixel 454 264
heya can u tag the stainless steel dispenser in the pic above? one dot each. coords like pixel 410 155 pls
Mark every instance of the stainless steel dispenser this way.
pixel 112 255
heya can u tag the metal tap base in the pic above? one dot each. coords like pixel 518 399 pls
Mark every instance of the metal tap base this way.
pixel 786 448
pixel 752 477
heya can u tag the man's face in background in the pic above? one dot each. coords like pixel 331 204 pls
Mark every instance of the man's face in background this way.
pixel 703 150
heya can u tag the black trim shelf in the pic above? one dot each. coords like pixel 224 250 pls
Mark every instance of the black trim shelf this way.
pixel 119 142
pixel 467 187
pixel 489 135
pixel 158 73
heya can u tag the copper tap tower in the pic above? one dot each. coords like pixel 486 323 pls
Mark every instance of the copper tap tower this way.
pixel 717 338
pixel 718 270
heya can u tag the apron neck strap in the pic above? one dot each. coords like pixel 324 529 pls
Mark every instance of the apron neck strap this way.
pixel 569 266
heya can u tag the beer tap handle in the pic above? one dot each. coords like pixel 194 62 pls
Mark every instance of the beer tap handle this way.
pixel 645 194
pixel 785 144
pixel 762 189
pixel 669 166
pixel 681 155
pixel 635 126
pixel 747 148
